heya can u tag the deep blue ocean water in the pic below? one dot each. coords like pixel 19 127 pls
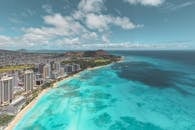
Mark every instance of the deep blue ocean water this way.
pixel 149 90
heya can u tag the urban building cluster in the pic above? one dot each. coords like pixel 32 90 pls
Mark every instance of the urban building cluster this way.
pixel 24 81
pixel 23 58
pixel 23 75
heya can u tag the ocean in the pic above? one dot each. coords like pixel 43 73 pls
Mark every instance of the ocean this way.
pixel 149 90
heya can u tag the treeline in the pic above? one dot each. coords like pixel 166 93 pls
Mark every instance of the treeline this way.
pixel 87 63
pixel 4 119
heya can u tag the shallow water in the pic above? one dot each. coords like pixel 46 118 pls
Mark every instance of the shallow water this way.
pixel 141 93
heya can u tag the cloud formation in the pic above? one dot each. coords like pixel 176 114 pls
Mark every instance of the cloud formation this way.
pixel 175 7
pixel 87 24
pixel 90 12
pixel 91 6
pixel 146 2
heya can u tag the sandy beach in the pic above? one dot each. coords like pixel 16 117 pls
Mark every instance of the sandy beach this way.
pixel 20 115
pixel 94 68
pixel 98 67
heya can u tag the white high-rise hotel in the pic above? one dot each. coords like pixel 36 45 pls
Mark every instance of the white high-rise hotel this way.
pixel 46 71
pixel 6 90
pixel 28 80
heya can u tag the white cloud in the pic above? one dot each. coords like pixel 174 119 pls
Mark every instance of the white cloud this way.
pixel 68 41
pixel 174 7
pixel 89 6
pixel 102 22
pixel 7 42
pixel 57 20
pixel 124 23
pixel 105 39
pixel 79 27
pixel 90 12
pixel 60 26
pixel 91 35
pixel 86 25
pixel 137 46
pixel 4 40
pixel 30 41
pixel 99 22
pixel 146 2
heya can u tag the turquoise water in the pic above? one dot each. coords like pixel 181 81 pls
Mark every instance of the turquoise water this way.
pixel 141 93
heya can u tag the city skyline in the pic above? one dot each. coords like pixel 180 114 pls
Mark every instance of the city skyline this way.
pixel 97 24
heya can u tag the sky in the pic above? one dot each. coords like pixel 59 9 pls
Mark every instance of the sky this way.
pixel 97 24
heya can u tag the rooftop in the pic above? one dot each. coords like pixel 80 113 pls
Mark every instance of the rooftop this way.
pixel 4 78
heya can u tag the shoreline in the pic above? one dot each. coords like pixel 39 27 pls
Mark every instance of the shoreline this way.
pixel 98 67
pixel 22 113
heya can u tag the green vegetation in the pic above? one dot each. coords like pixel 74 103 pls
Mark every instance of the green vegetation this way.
pixel 15 67
pixel 88 63
pixel 35 93
pixel 92 62
pixel 32 96
pixel 46 85
pixel 98 61
pixel 4 119
pixel 89 59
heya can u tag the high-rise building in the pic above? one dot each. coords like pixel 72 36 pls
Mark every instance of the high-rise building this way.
pixel 57 66
pixel 68 68
pixel 38 79
pixel 28 80
pixel 6 90
pixel 46 71
pixel 1 96
pixel 40 68
pixel 15 79
pixel 52 65
pixel 62 71
pixel 76 67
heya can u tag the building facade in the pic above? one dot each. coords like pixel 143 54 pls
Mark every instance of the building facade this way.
pixel 57 66
pixel 46 71
pixel 6 90
pixel 68 68
pixel 76 67
pixel 28 80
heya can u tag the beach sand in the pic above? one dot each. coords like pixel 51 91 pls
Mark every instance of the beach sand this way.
pixel 98 67
pixel 20 115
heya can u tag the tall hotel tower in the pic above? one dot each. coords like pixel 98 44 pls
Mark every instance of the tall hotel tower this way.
pixel 6 90
pixel 46 71
pixel 28 80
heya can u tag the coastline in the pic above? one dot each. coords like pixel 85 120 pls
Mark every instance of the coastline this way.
pixel 22 113
pixel 98 67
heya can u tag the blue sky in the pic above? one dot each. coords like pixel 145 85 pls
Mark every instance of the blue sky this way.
pixel 97 24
